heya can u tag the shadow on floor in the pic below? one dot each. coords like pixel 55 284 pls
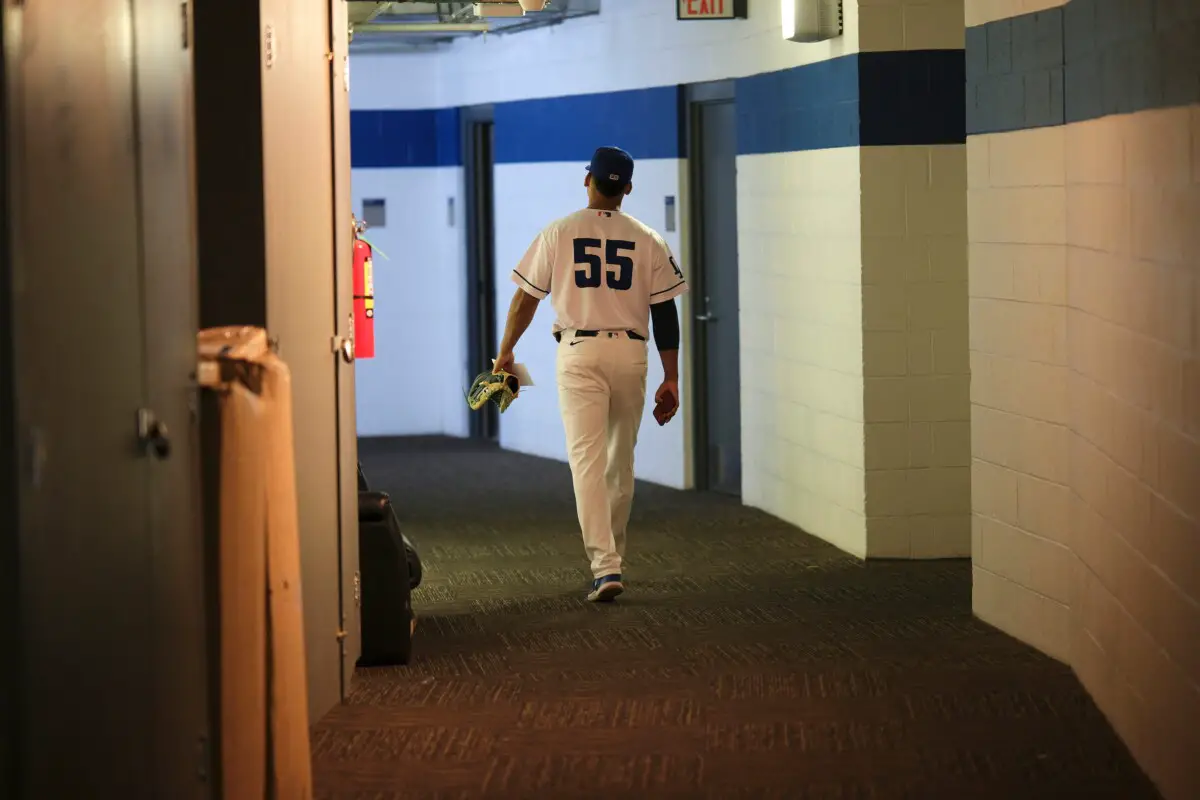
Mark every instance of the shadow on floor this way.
pixel 746 660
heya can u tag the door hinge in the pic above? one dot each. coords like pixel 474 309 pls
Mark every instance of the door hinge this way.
pixel 341 636
pixel 269 45
pixel 36 442
pixel 204 768
pixel 183 13
pixel 193 401
pixel 357 589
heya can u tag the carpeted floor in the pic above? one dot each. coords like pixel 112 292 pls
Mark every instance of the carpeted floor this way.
pixel 746 660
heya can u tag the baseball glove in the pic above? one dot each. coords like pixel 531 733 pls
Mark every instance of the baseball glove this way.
pixel 499 387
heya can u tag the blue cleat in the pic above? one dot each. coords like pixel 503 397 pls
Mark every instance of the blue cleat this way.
pixel 606 589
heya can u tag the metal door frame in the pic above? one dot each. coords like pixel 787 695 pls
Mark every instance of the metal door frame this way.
pixel 10 551
pixel 480 246
pixel 695 96
pixel 345 371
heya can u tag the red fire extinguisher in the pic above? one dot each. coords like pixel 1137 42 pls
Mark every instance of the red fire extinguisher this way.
pixel 364 297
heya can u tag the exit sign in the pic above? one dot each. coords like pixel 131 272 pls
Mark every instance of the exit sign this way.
pixel 711 9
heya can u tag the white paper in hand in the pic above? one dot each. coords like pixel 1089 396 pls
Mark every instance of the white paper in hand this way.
pixel 523 377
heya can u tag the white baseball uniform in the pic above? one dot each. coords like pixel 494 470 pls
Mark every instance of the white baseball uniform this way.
pixel 603 270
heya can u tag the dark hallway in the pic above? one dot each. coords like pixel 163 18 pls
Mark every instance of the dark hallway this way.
pixel 746 660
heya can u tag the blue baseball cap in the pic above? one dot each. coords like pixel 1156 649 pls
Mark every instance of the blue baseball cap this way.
pixel 612 164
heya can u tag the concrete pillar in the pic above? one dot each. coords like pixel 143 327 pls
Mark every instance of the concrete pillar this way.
pixel 858 353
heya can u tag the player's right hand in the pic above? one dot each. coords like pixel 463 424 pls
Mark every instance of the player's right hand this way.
pixel 666 402
pixel 504 363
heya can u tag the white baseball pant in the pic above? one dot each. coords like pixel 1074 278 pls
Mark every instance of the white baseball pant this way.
pixel 602 394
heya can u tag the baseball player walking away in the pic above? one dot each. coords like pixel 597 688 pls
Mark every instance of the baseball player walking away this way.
pixel 608 275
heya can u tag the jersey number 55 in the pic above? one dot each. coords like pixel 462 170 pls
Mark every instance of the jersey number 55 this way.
pixel 616 269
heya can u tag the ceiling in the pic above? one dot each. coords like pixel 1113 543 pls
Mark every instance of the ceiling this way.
pixel 408 25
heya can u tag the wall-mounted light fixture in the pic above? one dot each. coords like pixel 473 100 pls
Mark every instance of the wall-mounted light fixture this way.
pixel 811 20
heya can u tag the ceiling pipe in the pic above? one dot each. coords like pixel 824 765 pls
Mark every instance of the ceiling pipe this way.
pixel 391 33
pixel 423 27
pixel 379 9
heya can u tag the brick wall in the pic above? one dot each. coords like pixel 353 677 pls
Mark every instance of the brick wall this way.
pixel 801 339
pixel 916 384
pixel 916 406
pixel 855 371
pixel 1084 276
pixel 1020 387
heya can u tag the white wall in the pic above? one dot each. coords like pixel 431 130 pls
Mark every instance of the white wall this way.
pixel 631 44
pixel 1085 384
pixel 801 340
pixel 916 370
pixel 1085 362
pixel 414 384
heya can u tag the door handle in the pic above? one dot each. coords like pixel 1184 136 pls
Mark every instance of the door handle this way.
pixel 152 434
pixel 705 318
pixel 343 346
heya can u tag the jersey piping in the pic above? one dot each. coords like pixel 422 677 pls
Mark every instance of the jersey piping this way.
pixel 530 283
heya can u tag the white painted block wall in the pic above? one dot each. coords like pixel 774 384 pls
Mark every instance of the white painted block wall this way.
pixel 800 279
pixel 1085 384
pixel 915 364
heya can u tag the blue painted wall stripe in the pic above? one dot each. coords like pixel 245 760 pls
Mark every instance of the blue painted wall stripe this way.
pixel 811 107
pixel 405 138
pixel 915 97
pixel 1083 60
pixel 910 97
pixel 643 121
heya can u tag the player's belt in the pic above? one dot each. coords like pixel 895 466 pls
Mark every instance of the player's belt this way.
pixel 637 337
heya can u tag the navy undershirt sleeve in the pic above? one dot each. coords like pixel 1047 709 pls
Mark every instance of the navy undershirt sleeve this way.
pixel 666 325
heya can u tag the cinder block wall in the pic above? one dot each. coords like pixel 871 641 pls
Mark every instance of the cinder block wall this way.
pixel 916 399
pixel 1084 218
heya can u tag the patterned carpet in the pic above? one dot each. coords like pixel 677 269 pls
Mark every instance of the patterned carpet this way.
pixel 746 660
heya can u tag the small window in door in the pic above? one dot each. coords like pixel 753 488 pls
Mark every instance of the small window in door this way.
pixel 375 213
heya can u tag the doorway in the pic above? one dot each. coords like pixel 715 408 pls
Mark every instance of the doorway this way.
pixel 712 124
pixel 481 262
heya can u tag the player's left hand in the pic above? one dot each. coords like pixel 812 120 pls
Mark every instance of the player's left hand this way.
pixel 666 402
